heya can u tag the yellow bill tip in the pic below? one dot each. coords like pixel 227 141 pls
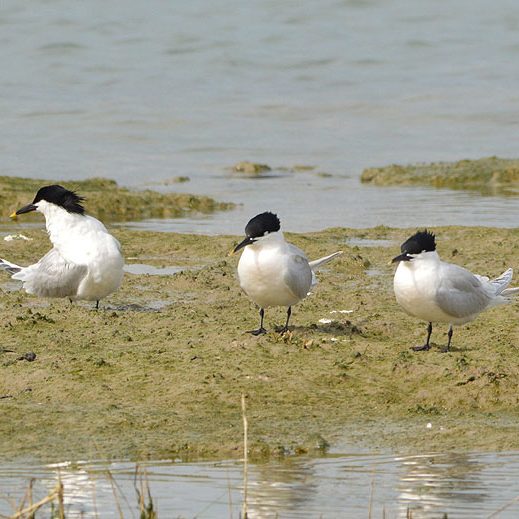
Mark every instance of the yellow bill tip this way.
pixel 231 253
pixel 14 216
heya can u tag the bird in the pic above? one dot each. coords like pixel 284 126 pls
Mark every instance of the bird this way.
pixel 437 291
pixel 271 271
pixel 85 262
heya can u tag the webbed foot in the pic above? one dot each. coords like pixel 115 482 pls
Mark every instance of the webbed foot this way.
pixel 425 347
pixel 259 331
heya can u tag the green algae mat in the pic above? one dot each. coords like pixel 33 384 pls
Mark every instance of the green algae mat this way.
pixel 491 175
pixel 160 369
pixel 108 201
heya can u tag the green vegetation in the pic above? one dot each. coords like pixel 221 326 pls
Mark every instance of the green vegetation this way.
pixel 160 369
pixel 490 175
pixel 108 201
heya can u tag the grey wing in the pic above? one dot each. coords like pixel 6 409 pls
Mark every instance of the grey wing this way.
pixel 52 276
pixel 460 293
pixel 298 275
pixel 296 251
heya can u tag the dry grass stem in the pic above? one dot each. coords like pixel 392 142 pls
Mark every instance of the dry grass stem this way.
pixel 245 457
pixel 56 494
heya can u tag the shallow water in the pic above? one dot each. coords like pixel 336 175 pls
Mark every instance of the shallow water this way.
pixel 357 206
pixel 149 91
pixel 145 93
pixel 145 269
pixel 470 485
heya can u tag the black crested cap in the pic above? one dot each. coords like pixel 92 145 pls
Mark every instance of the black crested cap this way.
pixel 58 195
pixel 262 224
pixel 422 241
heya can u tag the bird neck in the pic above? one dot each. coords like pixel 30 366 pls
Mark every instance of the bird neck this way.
pixel 431 256
pixel 58 220
pixel 274 239
pixel 429 259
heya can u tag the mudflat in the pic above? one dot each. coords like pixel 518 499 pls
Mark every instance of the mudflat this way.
pixel 159 370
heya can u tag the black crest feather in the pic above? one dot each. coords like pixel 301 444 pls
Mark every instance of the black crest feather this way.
pixel 422 241
pixel 58 195
pixel 261 224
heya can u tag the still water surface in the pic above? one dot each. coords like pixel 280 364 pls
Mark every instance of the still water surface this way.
pixel 471 485
pixel 145 91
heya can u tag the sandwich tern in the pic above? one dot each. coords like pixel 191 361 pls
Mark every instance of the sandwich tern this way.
pixel 86 261
pixel 436 291
pixel 271 271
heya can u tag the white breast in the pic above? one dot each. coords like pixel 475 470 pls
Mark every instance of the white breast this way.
pixel 262 275
pixel 415 289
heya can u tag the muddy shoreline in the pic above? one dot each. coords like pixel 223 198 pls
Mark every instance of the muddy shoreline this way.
pixel 159 371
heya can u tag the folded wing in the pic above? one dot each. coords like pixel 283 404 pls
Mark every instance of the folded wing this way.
pixel 52 276
pixel 298 275
pixel 461 294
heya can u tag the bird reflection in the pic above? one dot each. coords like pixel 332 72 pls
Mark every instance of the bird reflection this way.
pixel 278 487
pixel 83 485
pixel 430 483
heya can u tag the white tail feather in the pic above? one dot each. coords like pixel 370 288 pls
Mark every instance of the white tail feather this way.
pixel 314 265
pixel 9 267
pixel 500 283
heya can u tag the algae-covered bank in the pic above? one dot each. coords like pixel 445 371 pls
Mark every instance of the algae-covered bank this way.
pixel 109 201
pixel 491 175
pixel 159 370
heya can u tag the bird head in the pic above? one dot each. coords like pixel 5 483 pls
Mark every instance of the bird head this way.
pixel 258 228
pixel 53 195
pixel 419 243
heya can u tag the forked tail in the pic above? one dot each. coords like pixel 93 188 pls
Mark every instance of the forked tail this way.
pixel 9 267
pixel 510 291
pixel 501 283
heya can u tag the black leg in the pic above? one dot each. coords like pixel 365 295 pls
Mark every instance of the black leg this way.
pixel 71 302
pixel 260 330
pixel 449 335
pixel 97 304
pixel 426 346
pixel 285 328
